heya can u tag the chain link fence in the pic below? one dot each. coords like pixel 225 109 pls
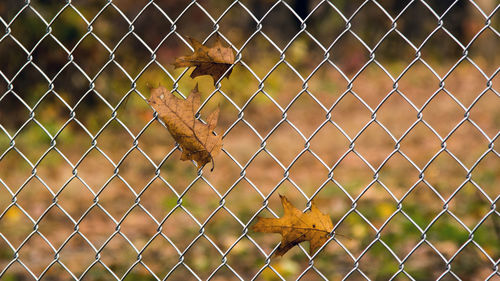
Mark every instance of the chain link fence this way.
pixel 385 112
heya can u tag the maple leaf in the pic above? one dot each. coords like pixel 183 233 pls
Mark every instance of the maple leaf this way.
pixel 213 61
pixel 296 226
pixel 196 139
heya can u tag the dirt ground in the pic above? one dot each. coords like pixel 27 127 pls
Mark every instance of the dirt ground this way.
pixel 390 163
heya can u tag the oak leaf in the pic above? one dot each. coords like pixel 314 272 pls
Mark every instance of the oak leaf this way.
pixel 213 61
pixel 196 139
pixel 296 227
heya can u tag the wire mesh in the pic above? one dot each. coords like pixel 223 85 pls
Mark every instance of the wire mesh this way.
pixel 385 113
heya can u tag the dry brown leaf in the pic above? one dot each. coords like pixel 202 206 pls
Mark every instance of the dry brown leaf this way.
pixel 213 61
pixel 196 139
pixel 296 227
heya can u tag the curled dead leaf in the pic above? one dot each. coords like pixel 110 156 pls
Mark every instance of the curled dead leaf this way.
pixel 213 61
pixel 196 139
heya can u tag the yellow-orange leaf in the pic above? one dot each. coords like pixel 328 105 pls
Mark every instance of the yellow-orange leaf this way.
pixel 296 227
pixel 196 139
pixel 213 61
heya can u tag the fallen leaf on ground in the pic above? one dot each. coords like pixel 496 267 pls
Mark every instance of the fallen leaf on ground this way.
pixel 213 61
pixel 196 139
pixel 296 226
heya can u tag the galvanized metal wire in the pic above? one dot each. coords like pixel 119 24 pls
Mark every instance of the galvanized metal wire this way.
pixel 354 271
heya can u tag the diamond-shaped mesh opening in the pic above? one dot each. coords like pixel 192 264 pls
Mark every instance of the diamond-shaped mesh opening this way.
pixel 376 205
pixel 56 226
pixel 442 106
pixel 324 23
pixel 56 271
pixel 471 140
pixel 11 217
pixel 350 114
pixel 138 218
pixel 36 254
pixel 352 174
pixel 299 108
pixel 183 236
pixel 304 55
pixel 96 227
pixel 315 173
pixel 466 83
pixel 348 54
pixel 444 166
pixel 53 172
pixel 372 94
pixel 395 52
pixel 395 233
pixel 484 176
pixel 424 263
pixel 420 195
pixel 12 53
pixel 378 262
pixel 201 207
pixel 196 257
pixel 30 84
pixel 236 24
pixel 28 23
pixel 273 16
pixel 284 134
pixel 75 191
pixel 6 253
pixel 136 170
pixel 72 142
pixel 77 254
pixel 383 112
pixel 264 172
pixel 89 167
pixel 354 234
pixel 487 125
pixel 13 159
pixel 194 20
pixel 68 27
pixel 374 144
pixel 420 144
pixel 132 65
pixel 471 259
pixel 369 14
pixel 34 197
pixel 119 263
pixel 396 107
pixel 217 230
pixel 246 209
pixel 110 37
pixel 116 197
pixel 157 199
pixel 160 256
pixel 479 53
pixel 447 46
pixel 260 55
pixel 227 173
pixel 329 144
pixel 10 9
pixel 151 16
pixel 446 235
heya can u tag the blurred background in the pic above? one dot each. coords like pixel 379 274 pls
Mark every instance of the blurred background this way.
pixel 386 112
